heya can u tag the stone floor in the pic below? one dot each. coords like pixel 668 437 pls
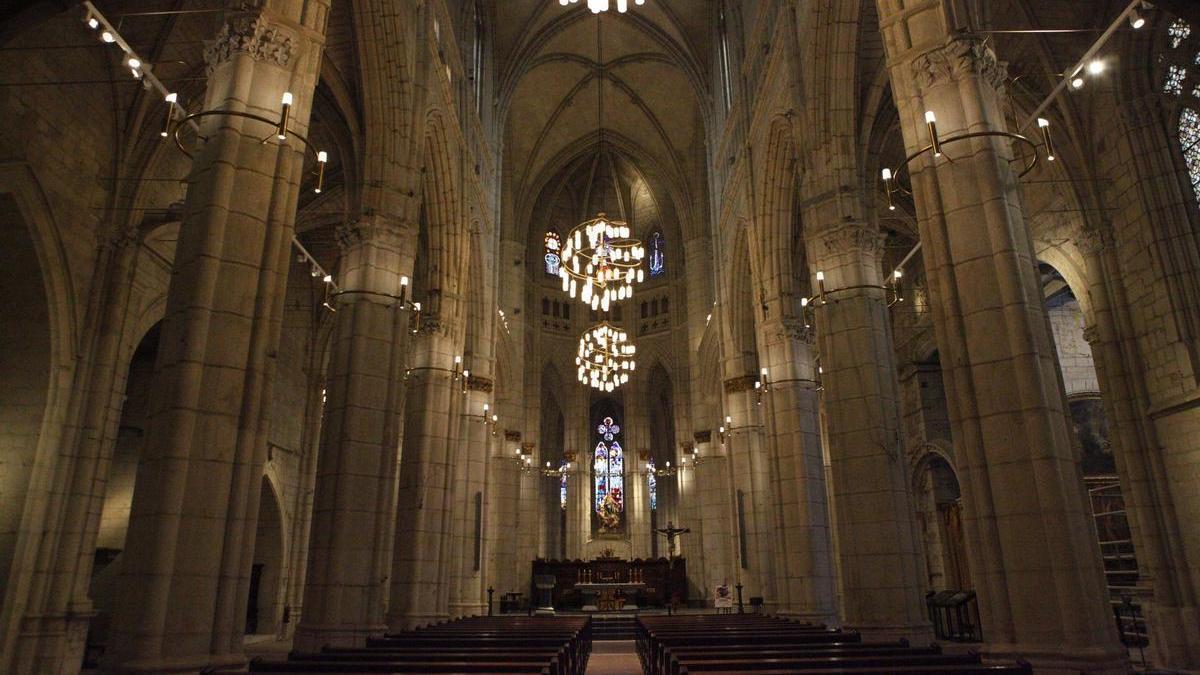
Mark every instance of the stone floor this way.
pixel 614 657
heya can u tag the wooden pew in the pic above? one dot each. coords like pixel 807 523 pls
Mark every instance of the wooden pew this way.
pixel 477 646
pixel 772 646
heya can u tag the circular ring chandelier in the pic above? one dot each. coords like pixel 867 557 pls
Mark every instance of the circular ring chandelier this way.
pixel 605 357
pixel 601 262
pixel 598 6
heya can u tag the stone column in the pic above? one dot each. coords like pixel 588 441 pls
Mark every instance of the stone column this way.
pixel 186 566
pixel 883 578
pixel 754 498
pixel 467 595
pixel 1033 555
pixel 1171 611
pixel 791 405
pixel 355 494
pixel 420 578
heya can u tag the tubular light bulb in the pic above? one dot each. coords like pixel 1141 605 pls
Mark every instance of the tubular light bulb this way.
pixel 328 279
pixel 1095 67
pixel 887 174
pixel 930 118
pixel 93 22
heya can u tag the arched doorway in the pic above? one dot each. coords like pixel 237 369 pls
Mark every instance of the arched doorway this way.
pixel 939 514
pixel 264 603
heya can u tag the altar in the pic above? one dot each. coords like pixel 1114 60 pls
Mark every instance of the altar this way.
pixel 608 583
pixel 606 597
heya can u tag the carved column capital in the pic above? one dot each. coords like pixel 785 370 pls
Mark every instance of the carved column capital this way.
pixel 483 384
pixel 250 32
pixel 742 383
pixel 859 239
pixel 368 230
pixel 795 330
pixel 123 239
pixel 1093 241
pixel 962 56
pixel 1091 334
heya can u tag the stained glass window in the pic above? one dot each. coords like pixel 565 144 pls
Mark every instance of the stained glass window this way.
pixel 652 483
pixel 608 470
pixel 658 254
pixel 562 485
pixel 553 256
pixel 1177 32
pixel 1189 141
pixel 1173 83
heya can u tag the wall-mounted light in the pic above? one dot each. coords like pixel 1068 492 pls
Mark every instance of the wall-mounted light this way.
pixel 322 158
pixel 931 123
pixel 1044 127
pixel 285 112
pixel 171 99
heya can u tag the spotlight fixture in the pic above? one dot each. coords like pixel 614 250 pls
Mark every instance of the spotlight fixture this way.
pixel 1136 20
pixel 1095 67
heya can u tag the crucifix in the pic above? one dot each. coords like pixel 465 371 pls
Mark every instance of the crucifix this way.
pixel 671 532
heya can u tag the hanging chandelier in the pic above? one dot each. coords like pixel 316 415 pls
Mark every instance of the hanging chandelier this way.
pixel 605 357
pixel 598 6
pixel 601 262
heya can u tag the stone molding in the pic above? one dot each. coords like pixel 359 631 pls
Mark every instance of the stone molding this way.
pixel 1091 334
pixel 250 32
pixel 961 57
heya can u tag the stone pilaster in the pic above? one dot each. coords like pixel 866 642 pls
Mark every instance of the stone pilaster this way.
pixel 186 569
pixel 355 493
pixel 805 576
pixel 882 576
pixel 54 630
pixel 420 574
pixel 1171 610
pixel 467 595
pixel 1034 560
pixel 754 497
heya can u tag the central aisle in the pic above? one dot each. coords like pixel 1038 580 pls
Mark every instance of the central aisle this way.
pixel 613 657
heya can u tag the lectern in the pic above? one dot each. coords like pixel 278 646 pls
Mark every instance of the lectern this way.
pixel 543 584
